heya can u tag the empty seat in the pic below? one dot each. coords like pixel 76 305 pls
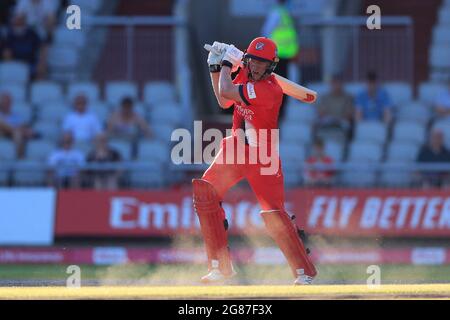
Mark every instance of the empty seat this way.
pixel 402 151
pixel 444 17
pixel 159 91
pixel 414 111
pixel 123 147
pixel 39 150
pixel 14 72
pixel 354 88
pixel 290 152
pixel 371 131
pixel 410 132
pixel 16 91
pixel 428 91
pixel 63 61
pixel 146 174
pixel 296 133
pixel 366 152
pixel 299 112
pixel 291 172
pixel 7 150
pixel 359 174
pixel 89 89
pixel 71 38
pixel 88 6
pixel 334 150
pixel 441 35
pixel 399 92
pixel 100 109
pixel 162 132
pixel 115 91
pixel 29 173
pixel 396 176
pixel 47 130
pixel 153 151
pixel 320 87
pixel 24 110
pixel 166 114
pixel 44 91
pixel 439 57
pixel 52 111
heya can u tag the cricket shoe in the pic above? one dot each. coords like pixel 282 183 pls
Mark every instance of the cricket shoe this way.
pixel 215 276
pixel 303 280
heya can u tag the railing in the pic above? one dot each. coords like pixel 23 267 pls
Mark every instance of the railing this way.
pixel 157 175
pixel 345 45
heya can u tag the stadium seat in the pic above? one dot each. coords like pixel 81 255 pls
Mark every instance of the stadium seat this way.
pixel 44 91
pixel 52 111
pixel 27 174
pixel 88 6
pixel 399 92
pixel 14 72
pixel 399 176
pixel 411 132
pixel 371 131
pixel 101 110
pixel 439 57
pixel 166 114
pixel 115 91
pixel 48 130
pixel 290 152
pixel 159 92
pixel 298 133
pixel 299 112
pixel 4 176
pixel 24 110
pixel 162 132
pixel 428 91
pixel 39 150
pixel 441 35
pixel 7 150
pixel 63 61
pixel 414 111
pixel 292 172
pixel 334 150
pixel 89 89
pixel 71 38
pixel 123 147
pixel 153 151
pixel 147 174
pixel 365 152
pixel 402 151
pixel 444 17
pixel 84 147
pixel 354 88
pixel 16 91
pixel 362 175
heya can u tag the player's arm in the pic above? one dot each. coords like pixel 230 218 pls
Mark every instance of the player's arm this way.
pixel 227 89
pixel 223 102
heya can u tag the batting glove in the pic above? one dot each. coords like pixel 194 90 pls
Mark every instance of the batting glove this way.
pixel 232 57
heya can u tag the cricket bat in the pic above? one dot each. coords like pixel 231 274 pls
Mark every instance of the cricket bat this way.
pixel 289 87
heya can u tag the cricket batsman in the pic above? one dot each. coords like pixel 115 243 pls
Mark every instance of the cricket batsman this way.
pixel 246 83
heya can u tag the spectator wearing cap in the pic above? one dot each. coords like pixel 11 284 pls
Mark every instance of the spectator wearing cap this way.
pixel 335 109
pixel 83 125
pixel 433 152
pixel 373 103
pixel 65 163
pixel 126 123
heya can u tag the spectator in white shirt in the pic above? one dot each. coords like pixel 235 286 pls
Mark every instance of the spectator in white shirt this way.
pixel 40 14
pixel 83 125
pixel 442 103
pixel 65 163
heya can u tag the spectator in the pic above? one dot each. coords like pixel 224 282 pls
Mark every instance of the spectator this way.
pixel 83 124
pixel 13 126
pixel 314 177
pixel 335 110
pixel 434 152
pixel 373 103
pixel 23 44
pixel 40 15
pixel 64 163
pixel 442 104
pixel 126 123
pixel 6 8
pixel 104 153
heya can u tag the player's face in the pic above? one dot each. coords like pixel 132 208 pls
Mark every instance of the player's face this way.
pixel 257 69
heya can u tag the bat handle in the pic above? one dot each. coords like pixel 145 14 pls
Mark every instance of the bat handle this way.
pixel 209 47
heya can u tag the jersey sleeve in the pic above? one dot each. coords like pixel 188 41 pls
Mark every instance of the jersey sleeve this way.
pixel 257 94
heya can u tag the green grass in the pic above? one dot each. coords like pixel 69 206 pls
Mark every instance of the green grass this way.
pixel 247 274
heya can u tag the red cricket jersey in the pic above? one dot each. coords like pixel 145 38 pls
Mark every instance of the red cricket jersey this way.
pixel 262 102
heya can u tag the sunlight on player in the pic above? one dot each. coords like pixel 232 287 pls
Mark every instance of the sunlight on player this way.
pixel 256 97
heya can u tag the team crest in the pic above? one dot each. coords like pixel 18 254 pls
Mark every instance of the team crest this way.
pixel 259 46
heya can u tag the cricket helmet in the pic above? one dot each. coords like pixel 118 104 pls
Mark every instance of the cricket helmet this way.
pixel 262 49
